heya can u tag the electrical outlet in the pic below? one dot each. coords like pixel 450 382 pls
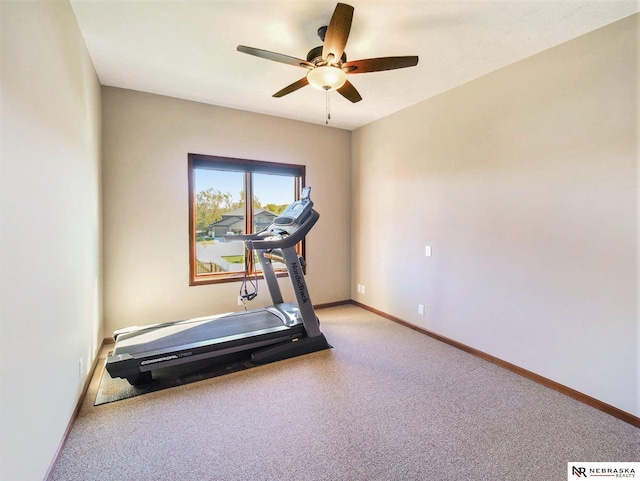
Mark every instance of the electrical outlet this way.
pixel 240 303
pixel 421 309
pixel 80 368
pixel 427 251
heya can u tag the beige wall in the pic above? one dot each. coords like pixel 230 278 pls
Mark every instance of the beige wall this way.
pixel 50 278
pixel 525 184
pixel 146 140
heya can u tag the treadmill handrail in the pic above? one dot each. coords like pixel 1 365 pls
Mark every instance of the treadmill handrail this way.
pixel 258 241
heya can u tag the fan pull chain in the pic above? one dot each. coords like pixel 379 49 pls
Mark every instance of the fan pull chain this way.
pixel 327 108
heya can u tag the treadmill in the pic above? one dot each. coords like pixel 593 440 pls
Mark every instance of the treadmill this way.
pixel 277 332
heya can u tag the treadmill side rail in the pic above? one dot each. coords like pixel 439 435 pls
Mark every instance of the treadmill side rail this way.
pixel 297 347
pixel 289 313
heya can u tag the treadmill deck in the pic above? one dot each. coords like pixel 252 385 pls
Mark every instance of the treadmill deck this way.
pixel 197 333
pixel 138 349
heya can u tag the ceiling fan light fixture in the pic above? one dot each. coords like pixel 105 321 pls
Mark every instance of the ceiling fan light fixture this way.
pixel 327 78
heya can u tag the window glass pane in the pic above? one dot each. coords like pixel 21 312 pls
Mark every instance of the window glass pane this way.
pixel 272 194
pixel 219 210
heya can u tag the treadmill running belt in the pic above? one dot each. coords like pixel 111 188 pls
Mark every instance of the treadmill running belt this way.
pixel 189 333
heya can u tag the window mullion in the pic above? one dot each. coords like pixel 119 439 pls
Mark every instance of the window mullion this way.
pixel 248 217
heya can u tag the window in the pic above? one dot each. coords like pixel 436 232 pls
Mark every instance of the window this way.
pixel 218 189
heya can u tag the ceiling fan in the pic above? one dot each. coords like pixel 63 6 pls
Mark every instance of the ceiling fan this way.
pixel 327 64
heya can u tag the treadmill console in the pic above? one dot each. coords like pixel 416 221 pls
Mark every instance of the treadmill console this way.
pixel 297 212
pixel 286 230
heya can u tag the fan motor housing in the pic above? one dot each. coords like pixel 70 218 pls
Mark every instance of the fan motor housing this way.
pixel 315 55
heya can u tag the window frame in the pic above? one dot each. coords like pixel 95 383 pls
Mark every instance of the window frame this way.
pixel 195 161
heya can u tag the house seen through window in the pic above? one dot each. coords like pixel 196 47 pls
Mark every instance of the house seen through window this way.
pixel 218 191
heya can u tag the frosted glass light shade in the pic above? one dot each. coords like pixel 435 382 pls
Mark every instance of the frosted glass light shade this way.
pixel 327 78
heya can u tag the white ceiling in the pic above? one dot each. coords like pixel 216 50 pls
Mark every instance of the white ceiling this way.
pixel 187 49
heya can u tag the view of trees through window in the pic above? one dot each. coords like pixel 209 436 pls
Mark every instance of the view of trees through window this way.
pixel 219 208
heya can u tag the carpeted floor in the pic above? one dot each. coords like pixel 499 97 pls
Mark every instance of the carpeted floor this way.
pixel 386 403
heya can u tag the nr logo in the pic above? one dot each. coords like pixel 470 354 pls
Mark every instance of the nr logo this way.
pixel 579 472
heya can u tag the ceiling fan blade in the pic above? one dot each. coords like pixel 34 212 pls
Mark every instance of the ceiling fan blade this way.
pixel 349 92
pixel 378 64
pixel 276 57
pixel 292 88
pixel 337 33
